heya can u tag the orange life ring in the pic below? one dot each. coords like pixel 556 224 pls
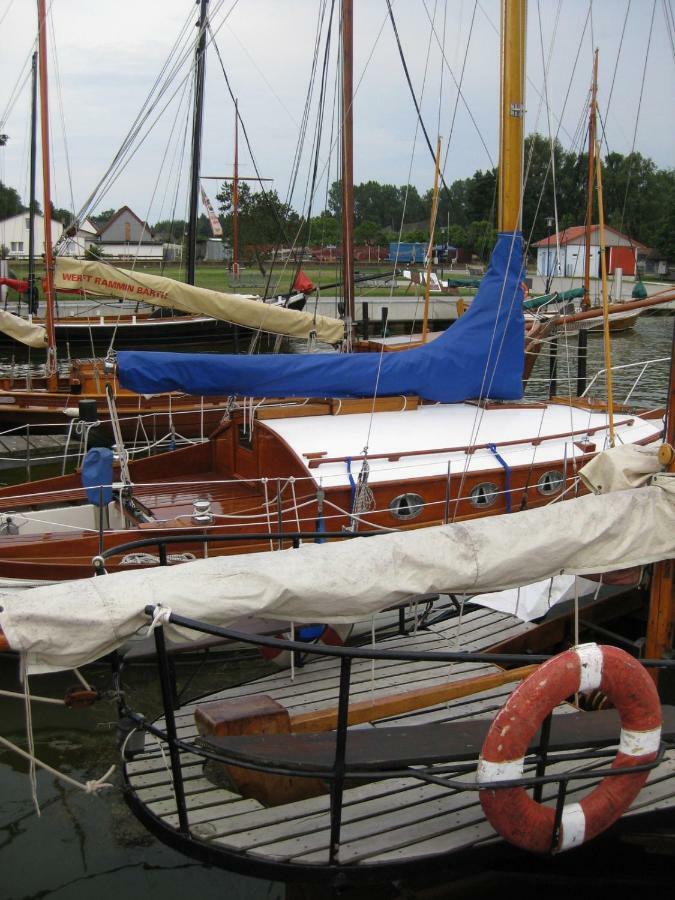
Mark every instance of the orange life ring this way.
pixel 511 811
pixel 331 635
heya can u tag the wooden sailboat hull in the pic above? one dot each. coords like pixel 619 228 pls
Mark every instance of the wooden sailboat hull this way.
pixel 265 482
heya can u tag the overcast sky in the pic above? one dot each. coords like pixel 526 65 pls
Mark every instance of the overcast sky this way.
pixel 106 55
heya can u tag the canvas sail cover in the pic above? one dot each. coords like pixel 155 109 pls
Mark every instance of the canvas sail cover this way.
pixel 64 625
pixel 240 309
pixel 481 355
pixel 22 330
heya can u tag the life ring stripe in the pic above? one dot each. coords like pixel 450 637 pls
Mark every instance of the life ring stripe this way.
pixel 639 743
pixel 508 770
pixel 573 826
pixel 590 660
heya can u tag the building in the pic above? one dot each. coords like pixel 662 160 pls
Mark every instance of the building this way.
pixel 622 252
pixel 125 236
pixel 15 235
pixel 76 241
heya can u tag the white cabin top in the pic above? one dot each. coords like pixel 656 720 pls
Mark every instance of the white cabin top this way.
pixel 443 432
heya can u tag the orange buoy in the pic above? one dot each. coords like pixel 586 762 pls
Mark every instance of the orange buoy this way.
pixel 510 810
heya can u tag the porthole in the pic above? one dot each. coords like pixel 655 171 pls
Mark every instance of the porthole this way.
pixel 484 494
pixel 551 483
pixel 406 506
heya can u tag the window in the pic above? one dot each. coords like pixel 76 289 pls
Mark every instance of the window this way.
pixel 127 231
pixel 27 221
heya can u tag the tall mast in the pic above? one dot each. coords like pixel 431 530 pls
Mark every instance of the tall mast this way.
pixel 348 164
pixel 33 166
pixel 512 107
pixel 586 300
pixel 235 196
pixel 200 59
pixel 44 126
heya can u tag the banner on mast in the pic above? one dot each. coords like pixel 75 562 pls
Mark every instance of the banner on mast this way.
pixel 216 227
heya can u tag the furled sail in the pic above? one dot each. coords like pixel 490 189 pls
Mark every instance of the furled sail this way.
pixel 481 355
pixel 22 330
pixel 240 309
pixel 64 625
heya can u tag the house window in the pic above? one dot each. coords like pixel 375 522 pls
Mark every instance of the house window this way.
pixel 127 231
pixel 27 222
pixel 17 247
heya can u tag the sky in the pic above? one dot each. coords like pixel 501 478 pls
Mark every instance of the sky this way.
pixel 106 55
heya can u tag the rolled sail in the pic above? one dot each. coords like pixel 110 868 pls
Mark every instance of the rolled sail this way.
pixel 239 309
pixel 22 330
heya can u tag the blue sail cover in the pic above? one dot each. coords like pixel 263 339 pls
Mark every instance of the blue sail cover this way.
pixel 481 355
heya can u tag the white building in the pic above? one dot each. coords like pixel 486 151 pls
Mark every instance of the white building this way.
pixel 76 241
pixel 125 236
pixel 564 253
pixel 14 235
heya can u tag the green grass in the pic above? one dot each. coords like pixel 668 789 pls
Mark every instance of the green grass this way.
pixel 252 280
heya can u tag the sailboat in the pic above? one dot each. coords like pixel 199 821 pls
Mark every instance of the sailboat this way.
pixel 55 398
pixel 434 778
pixel 437 434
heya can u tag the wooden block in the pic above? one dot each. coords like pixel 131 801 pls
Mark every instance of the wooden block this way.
pixel 257 714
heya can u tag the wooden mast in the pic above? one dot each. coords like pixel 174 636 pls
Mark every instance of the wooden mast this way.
pixel 46 168
pixel 200 59
pixel 512 108
pixel 430 251
pixel 235 196
pixel 348 166
pixel 661 621
pixel 586 300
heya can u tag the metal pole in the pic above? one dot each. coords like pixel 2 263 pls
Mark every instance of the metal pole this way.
pixel 168 701
pixel 32 291
pixel 553 366
pixel 337 785
pixel 582 355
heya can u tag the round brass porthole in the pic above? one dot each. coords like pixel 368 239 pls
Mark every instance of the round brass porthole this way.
pixel 551 483
pixel 484 494
pixel 406 506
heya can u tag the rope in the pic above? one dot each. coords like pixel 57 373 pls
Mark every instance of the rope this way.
pixel 92 786
pixel 160 616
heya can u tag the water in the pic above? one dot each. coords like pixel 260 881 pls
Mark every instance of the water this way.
pixel 84 846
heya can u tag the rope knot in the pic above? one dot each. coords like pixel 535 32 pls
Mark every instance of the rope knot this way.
pixel 97 784
pixel 159 617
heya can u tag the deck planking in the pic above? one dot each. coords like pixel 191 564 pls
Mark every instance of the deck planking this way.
pixel 388 821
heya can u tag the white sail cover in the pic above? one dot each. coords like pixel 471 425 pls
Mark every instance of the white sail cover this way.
pixel 240 309
pixel 65 625
pixel 22 330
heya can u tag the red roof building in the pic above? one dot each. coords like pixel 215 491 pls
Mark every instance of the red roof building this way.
pixel 563 253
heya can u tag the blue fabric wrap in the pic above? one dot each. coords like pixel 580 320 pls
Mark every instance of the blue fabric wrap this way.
pixel 481 355
pixel 97 469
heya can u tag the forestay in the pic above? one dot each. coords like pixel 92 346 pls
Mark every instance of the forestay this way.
pixel 65 625
pixel 481 355
pixel 240 309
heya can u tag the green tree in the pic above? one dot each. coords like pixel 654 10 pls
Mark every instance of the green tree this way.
pixel 10 202
pixel 64 216
pixel 102 217
pixel 262 217
pixel 170 230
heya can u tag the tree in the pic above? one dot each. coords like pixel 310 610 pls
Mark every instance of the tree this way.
pixel 323 229
pixel 64 216
pixel 262 217
pixel 10 202
pixel 170 230
pixel 101 218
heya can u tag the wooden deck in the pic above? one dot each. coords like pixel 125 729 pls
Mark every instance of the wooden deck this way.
pixel 395 821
